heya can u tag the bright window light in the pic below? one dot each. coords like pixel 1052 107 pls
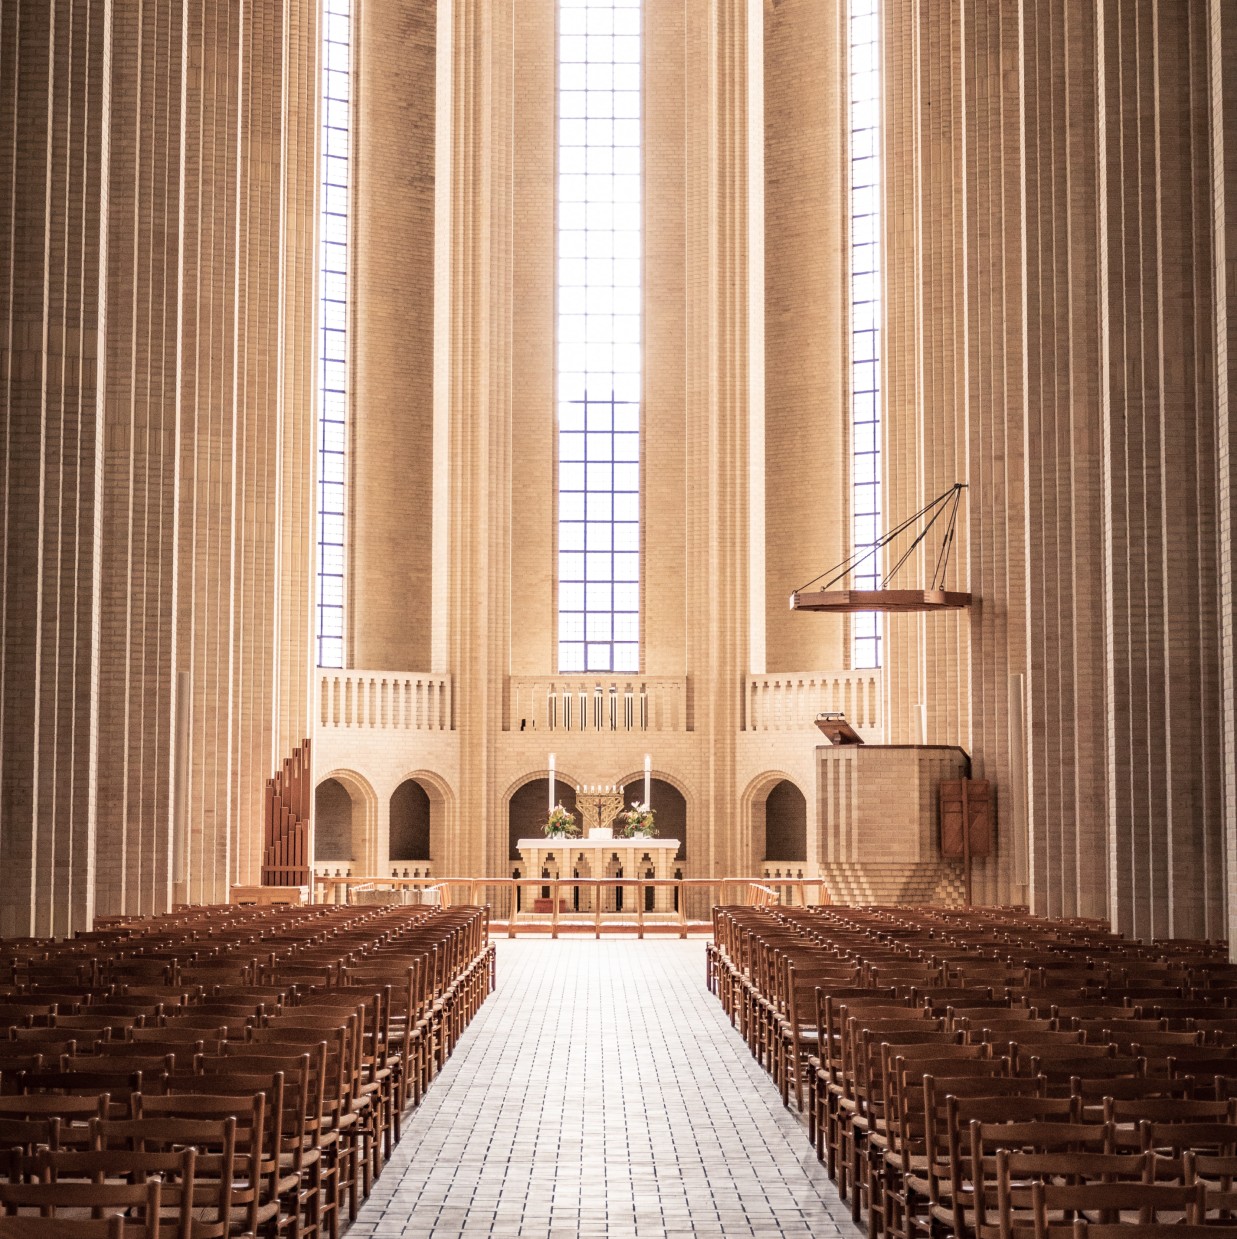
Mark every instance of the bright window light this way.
pixel 599 335
pixel 333 330
pixel 865 290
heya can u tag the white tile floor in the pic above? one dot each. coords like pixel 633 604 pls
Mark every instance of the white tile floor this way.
pixel 601 1092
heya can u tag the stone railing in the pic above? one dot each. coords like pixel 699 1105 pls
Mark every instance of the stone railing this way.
pixel 597 703
pixel 384 700
pixel 791 700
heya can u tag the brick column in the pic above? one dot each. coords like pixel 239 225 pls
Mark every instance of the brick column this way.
pixel 1222 51
pixel 719 61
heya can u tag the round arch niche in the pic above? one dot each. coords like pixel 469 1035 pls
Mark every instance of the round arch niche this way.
pixel 785 825
pixel 344 824
pixel 410 823
pixel 670 806
pixel 528 808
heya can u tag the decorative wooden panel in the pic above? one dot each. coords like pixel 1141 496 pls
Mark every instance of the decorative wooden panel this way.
pixel 969 803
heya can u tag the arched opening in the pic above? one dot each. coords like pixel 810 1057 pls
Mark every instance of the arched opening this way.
pixel 669 805
pixel 339 823
pixel 528 808
pixel 785 824
pixel 410 822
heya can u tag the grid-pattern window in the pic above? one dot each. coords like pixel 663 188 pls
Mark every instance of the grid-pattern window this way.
pixel 865 273
pixel 333 315
pixel 599 362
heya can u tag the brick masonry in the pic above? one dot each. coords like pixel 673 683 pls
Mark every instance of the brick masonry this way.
pixel 159 192
pixel 1058 289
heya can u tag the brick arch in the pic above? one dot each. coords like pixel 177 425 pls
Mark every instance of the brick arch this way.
pixel 364 817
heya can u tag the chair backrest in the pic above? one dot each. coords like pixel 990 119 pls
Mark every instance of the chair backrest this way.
pixel 139 1202
pixel 112 1227
pixel 1145 1230
pixel 1110 1201
pixel 176 1169
pixel 256 1162
pixel 137 1144
pixel 1017 1170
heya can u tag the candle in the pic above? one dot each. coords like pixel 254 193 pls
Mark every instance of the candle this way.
pixel 551 782
pixel 648 778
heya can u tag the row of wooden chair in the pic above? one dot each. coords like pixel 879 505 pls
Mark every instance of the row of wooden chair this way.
pixel 934 1052
pixel 282 1046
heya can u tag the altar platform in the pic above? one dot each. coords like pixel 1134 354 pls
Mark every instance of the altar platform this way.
pixel 561 858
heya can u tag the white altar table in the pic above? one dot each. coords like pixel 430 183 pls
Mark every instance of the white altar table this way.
pixel 567 858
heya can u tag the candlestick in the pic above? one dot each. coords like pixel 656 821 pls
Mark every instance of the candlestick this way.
pixel 648 778
pixel 551 782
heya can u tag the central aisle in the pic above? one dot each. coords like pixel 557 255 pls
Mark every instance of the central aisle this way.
pixel 601 1092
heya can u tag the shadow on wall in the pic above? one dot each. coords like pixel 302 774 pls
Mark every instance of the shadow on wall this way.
pixel 785 823
pixel 526 813
pixel 671 808
pixel 529 808
pixel 332 822
pixel 410 822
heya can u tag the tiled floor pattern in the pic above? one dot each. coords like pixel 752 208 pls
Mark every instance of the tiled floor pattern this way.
pixel 602 1093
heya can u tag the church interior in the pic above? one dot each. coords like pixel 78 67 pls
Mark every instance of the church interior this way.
pixel 806 420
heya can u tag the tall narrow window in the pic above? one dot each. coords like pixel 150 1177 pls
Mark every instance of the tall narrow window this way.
pixel 865 274
pixel 599 363
pixel 333 314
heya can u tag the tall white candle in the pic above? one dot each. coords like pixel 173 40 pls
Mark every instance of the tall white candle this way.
pixel 551 782
pixel 648 777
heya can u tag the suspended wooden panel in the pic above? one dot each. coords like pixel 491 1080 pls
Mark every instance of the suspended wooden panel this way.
pixel 935 598
pixel 844 600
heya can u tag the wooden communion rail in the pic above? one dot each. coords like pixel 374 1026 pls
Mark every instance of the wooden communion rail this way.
pixel 511 900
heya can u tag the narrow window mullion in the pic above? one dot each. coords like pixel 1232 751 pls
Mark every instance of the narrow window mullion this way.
pixel 333 328
pixel 865 277
pixel 599 334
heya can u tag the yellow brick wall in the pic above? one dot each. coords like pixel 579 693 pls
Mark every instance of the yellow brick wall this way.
pixel 1222 55
pixel 807 326
pixel 391 349
pixel 159 189
pixel 1058 290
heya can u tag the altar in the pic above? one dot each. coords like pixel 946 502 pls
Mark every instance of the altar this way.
pixel 564 857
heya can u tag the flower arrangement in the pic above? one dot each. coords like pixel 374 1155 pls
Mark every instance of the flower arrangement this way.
pixel 638 820
pixel 560 824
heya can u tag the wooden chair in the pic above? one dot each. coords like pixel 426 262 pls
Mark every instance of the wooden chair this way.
pixel 1030 1150
pixel 1019 1173
pixel 254 1203
pixel 26 1207
pixel 21 1141
pixel 308 1174
pixel 875 1050
pixel 1077 1203
pixel 72 1114
pixel 175 1169
pixel 953 1207
pixel 349 1121
pixel 1145 1230
pixel 23 1227
pixel 376 1076
pixel 143 1146
pixel 897 1192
